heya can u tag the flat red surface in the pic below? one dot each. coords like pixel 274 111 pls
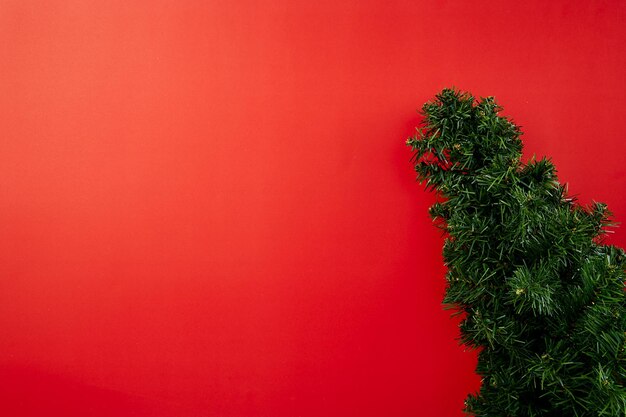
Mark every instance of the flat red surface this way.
pixel 207 207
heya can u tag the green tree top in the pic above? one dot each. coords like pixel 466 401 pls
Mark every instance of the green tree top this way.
pixel 542 297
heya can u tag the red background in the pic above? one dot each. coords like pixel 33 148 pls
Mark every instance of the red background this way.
pixel 207 207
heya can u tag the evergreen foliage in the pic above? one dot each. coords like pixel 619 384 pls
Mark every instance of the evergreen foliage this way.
pixel 542 298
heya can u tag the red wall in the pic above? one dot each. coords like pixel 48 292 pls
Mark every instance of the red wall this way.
pixel 207 207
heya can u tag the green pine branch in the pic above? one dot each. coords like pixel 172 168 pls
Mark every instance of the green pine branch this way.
pixel 542 297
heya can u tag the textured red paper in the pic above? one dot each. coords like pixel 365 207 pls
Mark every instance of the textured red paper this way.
pixel 207 207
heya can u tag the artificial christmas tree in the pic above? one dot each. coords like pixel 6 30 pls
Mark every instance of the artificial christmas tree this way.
pixel 542 298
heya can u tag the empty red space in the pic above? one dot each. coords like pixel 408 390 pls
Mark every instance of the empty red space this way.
pixel 207 207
